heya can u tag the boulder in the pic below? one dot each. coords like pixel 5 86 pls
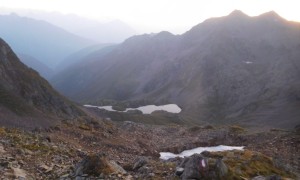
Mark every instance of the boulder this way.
pixel 116 168
pixel 93 165
pixel 195 167
pixel 179 171
pixel 221 168
pixel 19 173
pixel 139 162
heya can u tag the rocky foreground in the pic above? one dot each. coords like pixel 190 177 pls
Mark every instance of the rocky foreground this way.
pixel 102 149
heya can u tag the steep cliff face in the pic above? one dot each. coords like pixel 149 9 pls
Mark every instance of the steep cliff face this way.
pixel 230 69
pixel 26 98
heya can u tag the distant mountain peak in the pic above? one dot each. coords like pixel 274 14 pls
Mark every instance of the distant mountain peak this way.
pixel 271 15
pixel 164 34
pixel 237 13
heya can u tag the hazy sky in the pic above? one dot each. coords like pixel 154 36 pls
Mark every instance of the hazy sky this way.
pixel 156 15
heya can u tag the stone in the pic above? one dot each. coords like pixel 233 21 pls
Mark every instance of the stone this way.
pixel 139 162
pixel 259 178
pixel 179 171
pixel 273 177
pixel 2 151
pixel 80 178
pixel 45 168
pixel 4 164
pixel 144 170
pixel 151 174
pixel 64 176
pixel 19 173
pixel 116 168
pixel 129 177
pixel 28 152
pixel 93 165
pixel 238 171
pixel 221 168
pixel 196 167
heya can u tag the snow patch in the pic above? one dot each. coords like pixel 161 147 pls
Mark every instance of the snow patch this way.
pixel 171 108
pixel 187 153
pixel 248 62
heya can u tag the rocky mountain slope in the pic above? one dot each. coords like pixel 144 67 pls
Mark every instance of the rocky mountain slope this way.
pixel 28 100
pixel 37 65
pixel 78 56
pixel 229 69
pixel 40 39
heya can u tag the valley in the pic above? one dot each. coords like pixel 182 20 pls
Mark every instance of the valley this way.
pixel 220 101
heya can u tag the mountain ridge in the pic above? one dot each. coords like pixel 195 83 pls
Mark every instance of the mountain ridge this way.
pixel 40 39
pixel 227 69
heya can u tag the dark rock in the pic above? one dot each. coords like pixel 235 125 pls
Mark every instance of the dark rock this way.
pixel 80 178
pixel 179 171
pixel 48 139
pixel 144 170
pixel 4 164
pixel 93 165
pixel 195 167
pixel 139 162
pixel 273 177
pixel 206 153
pixel 221 168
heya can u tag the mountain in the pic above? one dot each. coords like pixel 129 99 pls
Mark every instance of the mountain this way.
pixel 37 65
pixel 236 69
pixel 27 100
pixel 80 74
pixel 114 31
pixel 77 56
pixel 40 39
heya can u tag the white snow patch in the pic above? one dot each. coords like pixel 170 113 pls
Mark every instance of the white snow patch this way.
pixel 248 62
pixel 187 153
pixel 171 108
pixel 90 106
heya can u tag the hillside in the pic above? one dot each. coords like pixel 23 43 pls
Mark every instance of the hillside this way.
pixel 37 65
pixel 81 55
pixel 236 69
pixel 28 100
pixel 40 39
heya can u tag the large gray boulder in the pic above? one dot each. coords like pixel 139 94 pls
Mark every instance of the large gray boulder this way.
pixel 195 167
